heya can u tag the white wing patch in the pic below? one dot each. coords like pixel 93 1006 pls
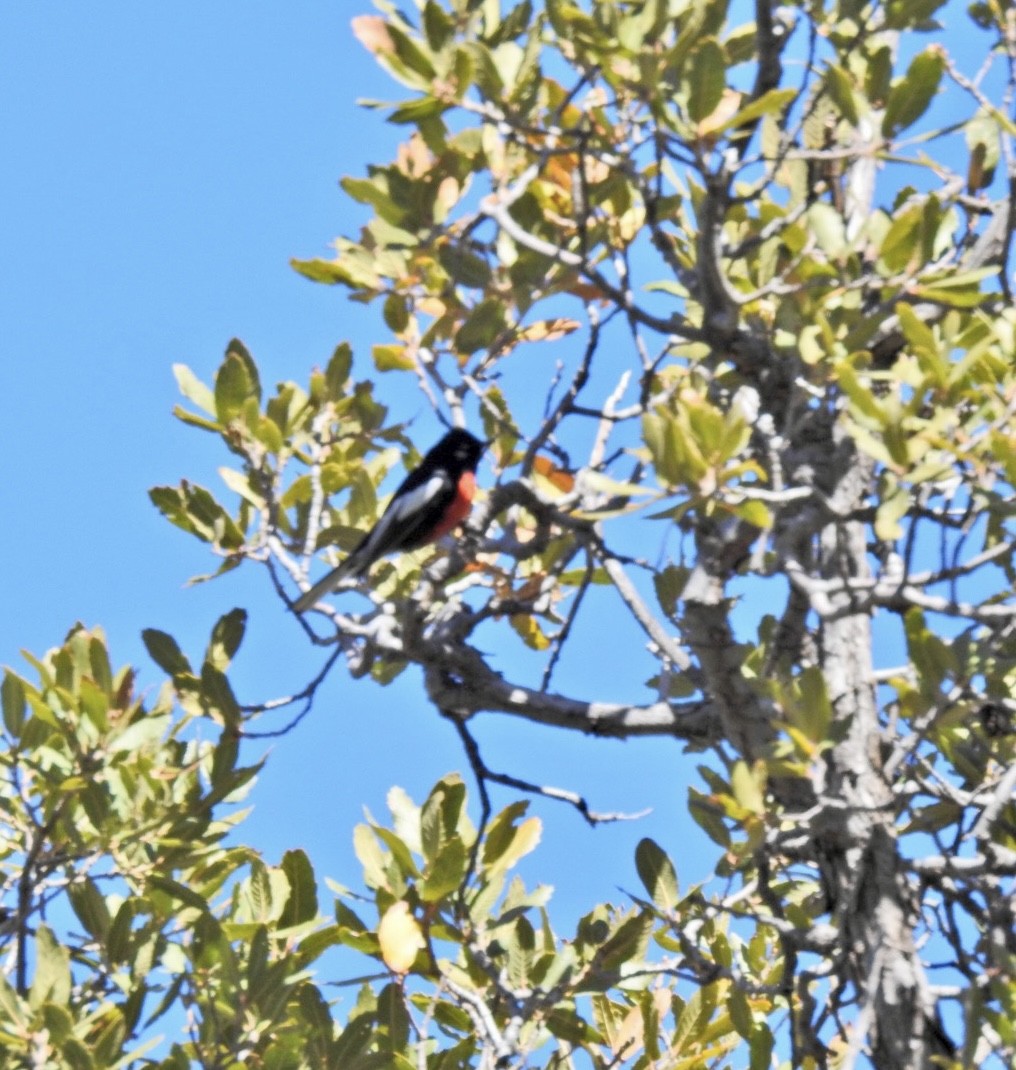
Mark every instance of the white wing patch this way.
pixel 389 532
pixel 417 498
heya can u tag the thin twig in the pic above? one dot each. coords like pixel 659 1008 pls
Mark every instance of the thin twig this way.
pixel 306 696
pixel 562 636
pixel 485 775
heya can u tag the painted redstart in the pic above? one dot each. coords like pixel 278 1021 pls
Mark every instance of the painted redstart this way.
pixel 434 498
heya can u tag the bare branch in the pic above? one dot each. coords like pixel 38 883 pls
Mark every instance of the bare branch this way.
pixel 484 775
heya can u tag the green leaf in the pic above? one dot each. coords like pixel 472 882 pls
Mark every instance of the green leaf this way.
pixel 52 980
pixel 691 1020
pixel 180 892
pixel 259 976
pixel 900 241
pixel 393 1018
pixel 669 584
pixel 840 87
pixel 269 434
pixel 918 333
pixel 748 785
pixel 237 349
pixel 893 507
pixel 521 941
pixel 89 906
pixel 771 103
pixel 482 326
pixel 527 627
pixel 708 816
pixel 441 814
pixel 910 96
pixel 865 406
pixel 219 700
pixel 302 904
pixel 985 150
pixel 609 1016
pixel 118 939
pixel 59 1027
pixel 707 79
pixel 501 832
pixel 933 658
pixel 524 840
pixel 147 729
pixel 517 22
pixel 464 266
pixel 314 1009
pixel 227 635
pixel 330 272
pixel 12 700
pixel 913 14
pixel 445 872
pixel 828 226
pixel 193 420
pixel 614 488
pixel 193 389
pixel 195 510
pixel 437 25
pixel 163 650
pixel 814 712
pixel 626 943
pixel 12 1010
pixel 371 856
pixel 373 191
pixel 756 513
pixel 762 1043
pixel 346 917
pixel 406 816
pixel 396 313
pixel 233 387
pixel 263 894
pixel 412 52
pixel 338 370
pixel 354 1042
pixel 401 854
pixel 740 1011
pixel 241 484
pixel 657 873
pixel 388 358
pixel 960 291
pixel 655 434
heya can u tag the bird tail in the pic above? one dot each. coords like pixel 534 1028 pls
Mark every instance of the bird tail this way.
pixel 326 584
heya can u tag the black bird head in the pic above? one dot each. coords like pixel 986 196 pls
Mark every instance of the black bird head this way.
pixel 457 450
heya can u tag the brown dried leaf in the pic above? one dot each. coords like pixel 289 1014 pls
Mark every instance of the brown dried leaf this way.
pixel 372 33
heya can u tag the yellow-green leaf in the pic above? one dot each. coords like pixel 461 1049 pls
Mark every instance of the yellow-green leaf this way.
pixel 748 785
pixel 193 389
pixel 910 96
pixel 707 79
pixel 528 629
pixel 389 358
pixel 657 873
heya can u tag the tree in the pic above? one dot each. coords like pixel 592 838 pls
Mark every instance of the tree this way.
pixel 764 270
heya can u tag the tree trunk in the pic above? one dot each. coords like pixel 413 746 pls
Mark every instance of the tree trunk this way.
pixel 862 867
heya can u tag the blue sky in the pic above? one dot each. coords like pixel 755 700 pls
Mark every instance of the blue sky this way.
pixel 161 165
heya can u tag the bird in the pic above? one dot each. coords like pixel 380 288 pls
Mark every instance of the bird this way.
pixel 431 501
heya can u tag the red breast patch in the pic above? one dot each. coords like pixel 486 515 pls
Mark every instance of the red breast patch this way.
pixel 458 508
